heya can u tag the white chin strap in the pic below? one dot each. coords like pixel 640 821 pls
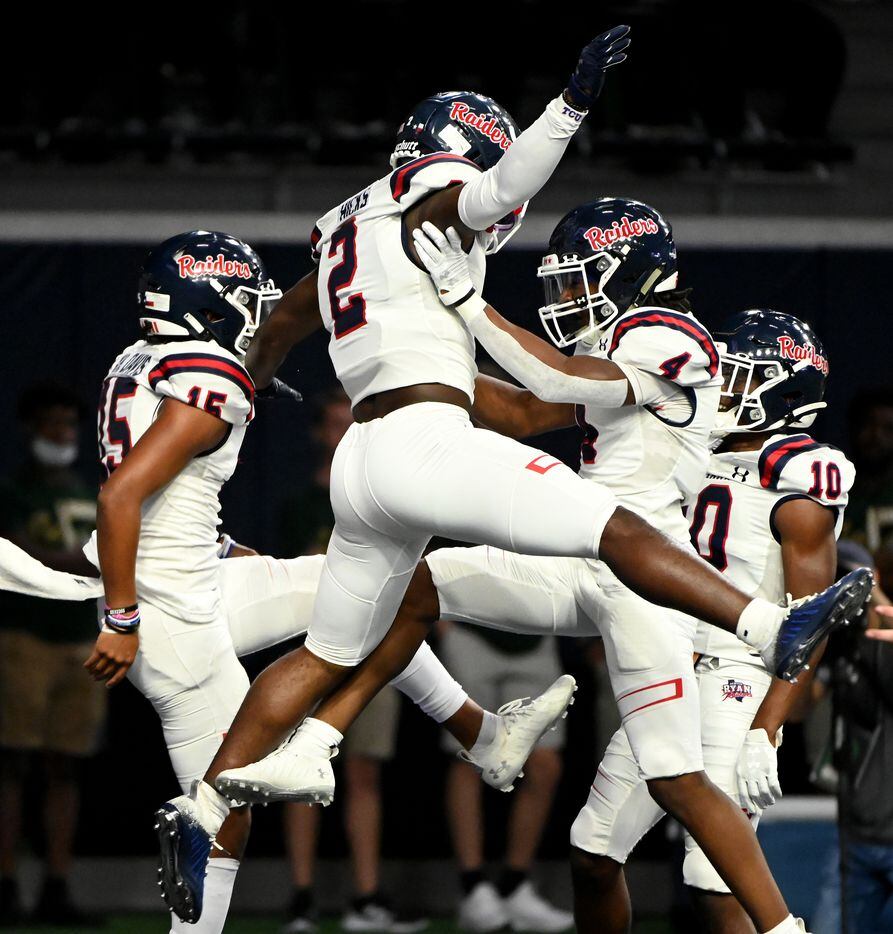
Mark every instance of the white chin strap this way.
pixel 162 327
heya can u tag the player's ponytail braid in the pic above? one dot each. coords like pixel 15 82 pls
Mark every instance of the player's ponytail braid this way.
pixel 674 299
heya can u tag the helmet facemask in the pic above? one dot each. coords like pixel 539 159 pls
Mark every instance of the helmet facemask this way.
pixel 254 304
pixel 575 308
pixel 745 382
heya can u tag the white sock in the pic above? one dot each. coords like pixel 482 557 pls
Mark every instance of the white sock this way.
pixel 315 738
pixel 788 926
pixel 430 686
pixel 212 807
pixel 219 881
pixel 486 735
pixel 759 623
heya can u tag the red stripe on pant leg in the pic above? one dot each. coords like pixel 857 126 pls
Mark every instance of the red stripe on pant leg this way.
pixel 677 693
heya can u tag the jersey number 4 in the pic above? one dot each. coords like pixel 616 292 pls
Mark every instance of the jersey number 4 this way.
pixel 348 310
pixel 710 524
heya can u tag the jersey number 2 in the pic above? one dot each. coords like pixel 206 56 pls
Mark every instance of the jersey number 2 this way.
pixel 710 538
pixel 348 311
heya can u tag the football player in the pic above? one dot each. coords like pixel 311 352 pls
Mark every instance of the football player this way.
pixel 767 515
pixel 173 412
pixel 413 465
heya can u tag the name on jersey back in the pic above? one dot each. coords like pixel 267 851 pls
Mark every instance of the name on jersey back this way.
pixel 354 204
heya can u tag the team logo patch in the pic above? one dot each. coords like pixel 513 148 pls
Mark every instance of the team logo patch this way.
pixel 600 238
pixel 736 690
pixel 484 124
pixel 793 351
pixel 190 267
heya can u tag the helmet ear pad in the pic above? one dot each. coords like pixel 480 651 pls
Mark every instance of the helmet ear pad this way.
pixel 634 280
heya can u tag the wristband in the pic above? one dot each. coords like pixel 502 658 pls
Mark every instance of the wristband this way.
pixel 225 545
pixel 104 627
pixel 123 621
pixel 470 307
pixel 571 108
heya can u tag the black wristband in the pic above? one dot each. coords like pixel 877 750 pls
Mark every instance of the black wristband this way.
pixel 460 301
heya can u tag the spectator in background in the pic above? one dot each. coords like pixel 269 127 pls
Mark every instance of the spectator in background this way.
pixel 51 712
pixel 857 888
pixel 307 525
pixel 869 515
pixel 492 664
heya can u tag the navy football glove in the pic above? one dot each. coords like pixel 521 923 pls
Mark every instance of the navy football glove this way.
pixel 587 81
pixel 279 389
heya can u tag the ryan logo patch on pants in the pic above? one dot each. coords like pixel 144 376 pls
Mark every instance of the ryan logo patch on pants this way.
pixel 736 690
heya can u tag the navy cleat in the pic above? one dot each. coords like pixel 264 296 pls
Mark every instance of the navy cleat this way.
pixel 185 848
pixel 812 619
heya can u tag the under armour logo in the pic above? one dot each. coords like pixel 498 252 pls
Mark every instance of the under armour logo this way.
pixel 740 473
pixel 603 344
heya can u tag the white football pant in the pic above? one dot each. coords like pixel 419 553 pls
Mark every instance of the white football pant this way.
pixel 424 470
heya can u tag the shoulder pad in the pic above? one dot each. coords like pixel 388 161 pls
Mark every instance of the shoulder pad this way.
pixel 208 379
pixel 800 466
pixel 666 343
pixel 411 182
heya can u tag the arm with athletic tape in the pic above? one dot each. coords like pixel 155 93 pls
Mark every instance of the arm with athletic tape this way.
pixel 545 371
pixel 532 158
pixel 522 171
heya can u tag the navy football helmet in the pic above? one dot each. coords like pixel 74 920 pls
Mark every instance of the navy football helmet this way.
pixel 774 371
pixel 465 124
pixel 604 257
pixel 205 285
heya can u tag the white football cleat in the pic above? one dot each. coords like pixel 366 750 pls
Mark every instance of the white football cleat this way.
pixel 522 723
pixel 529 911
pixel 288 774
pixel 482 910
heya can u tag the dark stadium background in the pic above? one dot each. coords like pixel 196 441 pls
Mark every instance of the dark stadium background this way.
pixel 761 130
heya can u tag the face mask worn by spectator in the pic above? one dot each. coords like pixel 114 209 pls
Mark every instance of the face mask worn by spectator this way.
pixel 52 454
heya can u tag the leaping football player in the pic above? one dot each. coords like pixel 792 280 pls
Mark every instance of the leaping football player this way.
pixel 413 465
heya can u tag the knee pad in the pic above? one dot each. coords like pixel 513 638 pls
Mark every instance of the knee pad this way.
pixel 664 758
pixel 611 824
pixel 698 873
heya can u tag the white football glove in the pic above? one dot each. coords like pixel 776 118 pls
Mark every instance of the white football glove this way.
pixel 446 261
pixel 757 772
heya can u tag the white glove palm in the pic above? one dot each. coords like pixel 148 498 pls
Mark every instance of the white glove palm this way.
pixel 446 261
pixel 757 772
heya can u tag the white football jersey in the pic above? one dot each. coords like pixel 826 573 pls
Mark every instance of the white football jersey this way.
pixel 653 455
pixel 388 328
pixel 177 565
pixel 732 522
